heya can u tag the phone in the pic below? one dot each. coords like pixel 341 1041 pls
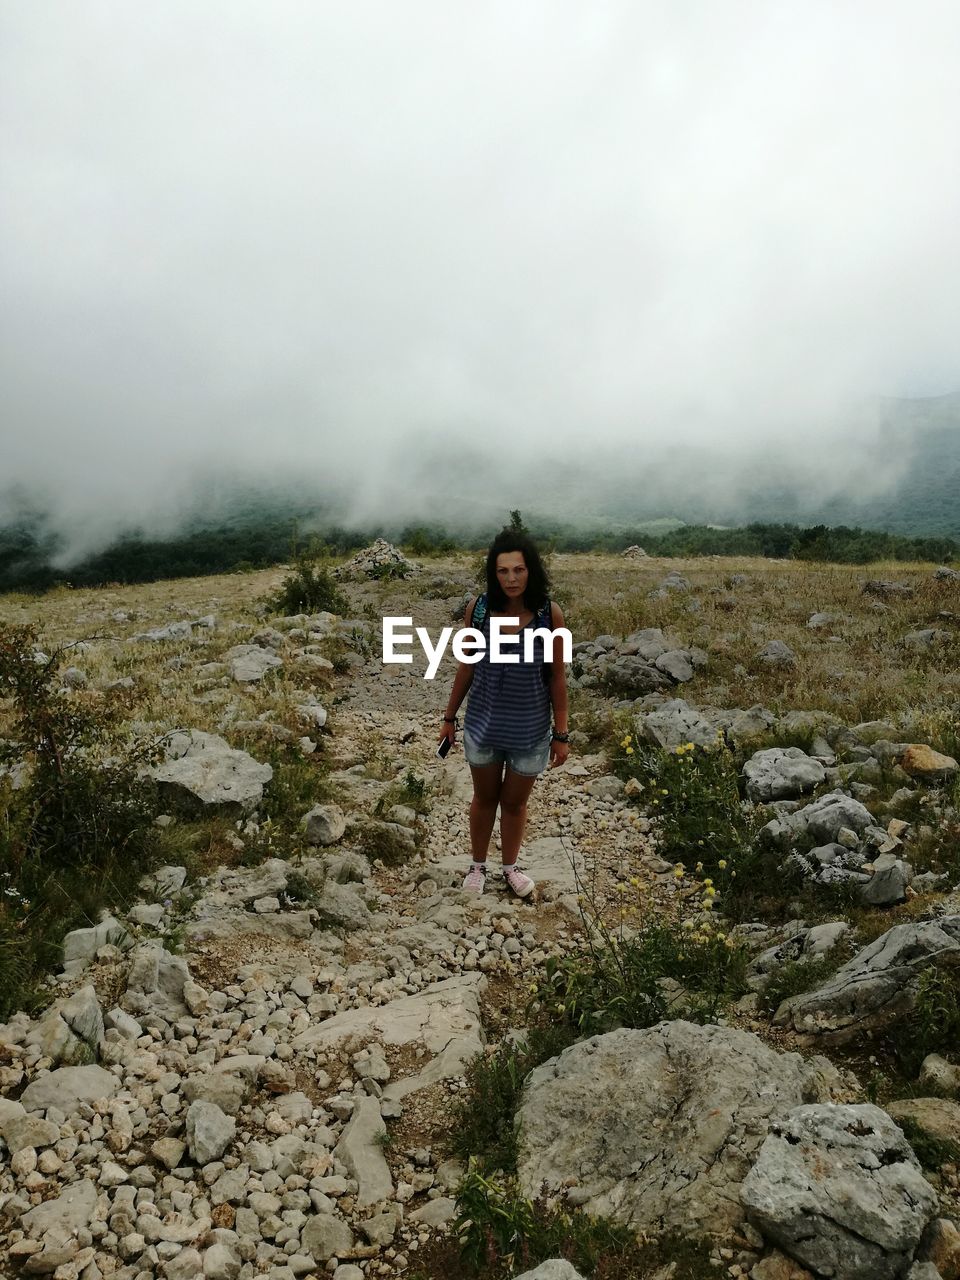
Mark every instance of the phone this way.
pixel 444 748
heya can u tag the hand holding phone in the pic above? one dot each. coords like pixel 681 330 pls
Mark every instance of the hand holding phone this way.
pixel 444 748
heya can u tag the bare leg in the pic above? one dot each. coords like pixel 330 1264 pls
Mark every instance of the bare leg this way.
pixel 483 807
pixel 513 813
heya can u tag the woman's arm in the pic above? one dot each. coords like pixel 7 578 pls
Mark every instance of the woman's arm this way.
pixel 461 683
pixel 558 691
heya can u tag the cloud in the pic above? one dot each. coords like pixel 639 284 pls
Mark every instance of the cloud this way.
pixel 302 239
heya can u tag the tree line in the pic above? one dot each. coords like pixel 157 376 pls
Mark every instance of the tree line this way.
pixel 28 555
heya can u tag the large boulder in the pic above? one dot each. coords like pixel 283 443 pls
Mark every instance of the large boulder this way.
pixel 660 1126
pixel 875 988
pixel 675 723
pixel 840 1190
pixel 781 773
pixel 819 822
pixel 202 774
pixel 249 663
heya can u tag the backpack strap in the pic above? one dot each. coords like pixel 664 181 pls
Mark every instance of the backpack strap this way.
pixel 479 612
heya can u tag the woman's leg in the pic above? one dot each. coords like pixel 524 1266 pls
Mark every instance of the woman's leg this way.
pixel 513 813
pixel 483 807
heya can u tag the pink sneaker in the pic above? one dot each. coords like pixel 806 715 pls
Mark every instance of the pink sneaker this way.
pixel 475 881
pixel 521 884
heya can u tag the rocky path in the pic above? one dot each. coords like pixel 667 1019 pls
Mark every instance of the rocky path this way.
pixel 276 1099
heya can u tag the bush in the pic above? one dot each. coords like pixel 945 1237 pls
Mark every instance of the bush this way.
pixel 79 833
pixel 693 795
pixel 310 588
pixel 637 976
pixel 484 1127
pixel 934 1026
pixel 501 1233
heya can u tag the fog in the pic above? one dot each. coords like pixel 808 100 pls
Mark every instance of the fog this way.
pixel 320 242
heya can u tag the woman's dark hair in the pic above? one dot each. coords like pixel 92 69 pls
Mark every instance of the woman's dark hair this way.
pixel 538 584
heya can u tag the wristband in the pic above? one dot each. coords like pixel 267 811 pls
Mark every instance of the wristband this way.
pixel 450 720
pixel 560 737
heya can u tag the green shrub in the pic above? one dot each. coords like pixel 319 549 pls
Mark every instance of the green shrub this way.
pixel 626 978
pixel 411 792
pixel 79 833
pixel 794 978
pixel 310 588
pixel 693 795
pixel 502 1233
pixel 484 1127
pixel 934 1025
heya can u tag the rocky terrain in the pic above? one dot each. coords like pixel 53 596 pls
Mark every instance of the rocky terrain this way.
pixel 251 1070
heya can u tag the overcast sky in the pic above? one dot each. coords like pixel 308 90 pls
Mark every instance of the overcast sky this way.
pixel 295 234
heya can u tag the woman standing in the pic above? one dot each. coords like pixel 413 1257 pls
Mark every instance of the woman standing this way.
pixel 507 737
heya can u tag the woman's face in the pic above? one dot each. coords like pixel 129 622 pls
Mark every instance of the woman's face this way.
pixel 512 574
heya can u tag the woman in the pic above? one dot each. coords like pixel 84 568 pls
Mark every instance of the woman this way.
pixel 507 738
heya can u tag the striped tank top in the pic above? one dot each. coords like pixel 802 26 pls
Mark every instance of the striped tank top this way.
pixel 509 703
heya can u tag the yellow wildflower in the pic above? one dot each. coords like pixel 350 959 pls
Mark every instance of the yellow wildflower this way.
pixel 722 864
pixel 629 751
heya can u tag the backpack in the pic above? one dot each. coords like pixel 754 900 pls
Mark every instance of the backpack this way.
pixel 542 619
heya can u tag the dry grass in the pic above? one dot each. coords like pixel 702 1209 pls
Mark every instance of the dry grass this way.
pixel 855 669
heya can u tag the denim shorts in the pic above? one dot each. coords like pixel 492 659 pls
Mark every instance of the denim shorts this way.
pixel 528 761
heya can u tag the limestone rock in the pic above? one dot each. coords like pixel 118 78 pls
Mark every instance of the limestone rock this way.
pixel 941 1246
pixel 781 773
pixel 554 1269
pixel 777 653
pixel 675 723
pixel 877 986
pixel 67 1088
pixel 938 1117
pixel 81 945
pixel 202 774
pixel 359 1152
pixel 820 822
pixel 249 663
pixel 28 1130
pixel 209 1131
pixel 660 1125
pixel 156 982
pixel 326 1236
pixel 921 761
pixel 70 1211
pixel 444 1019
pixel 840 1190
pixel 324 824
pixel 938 1072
